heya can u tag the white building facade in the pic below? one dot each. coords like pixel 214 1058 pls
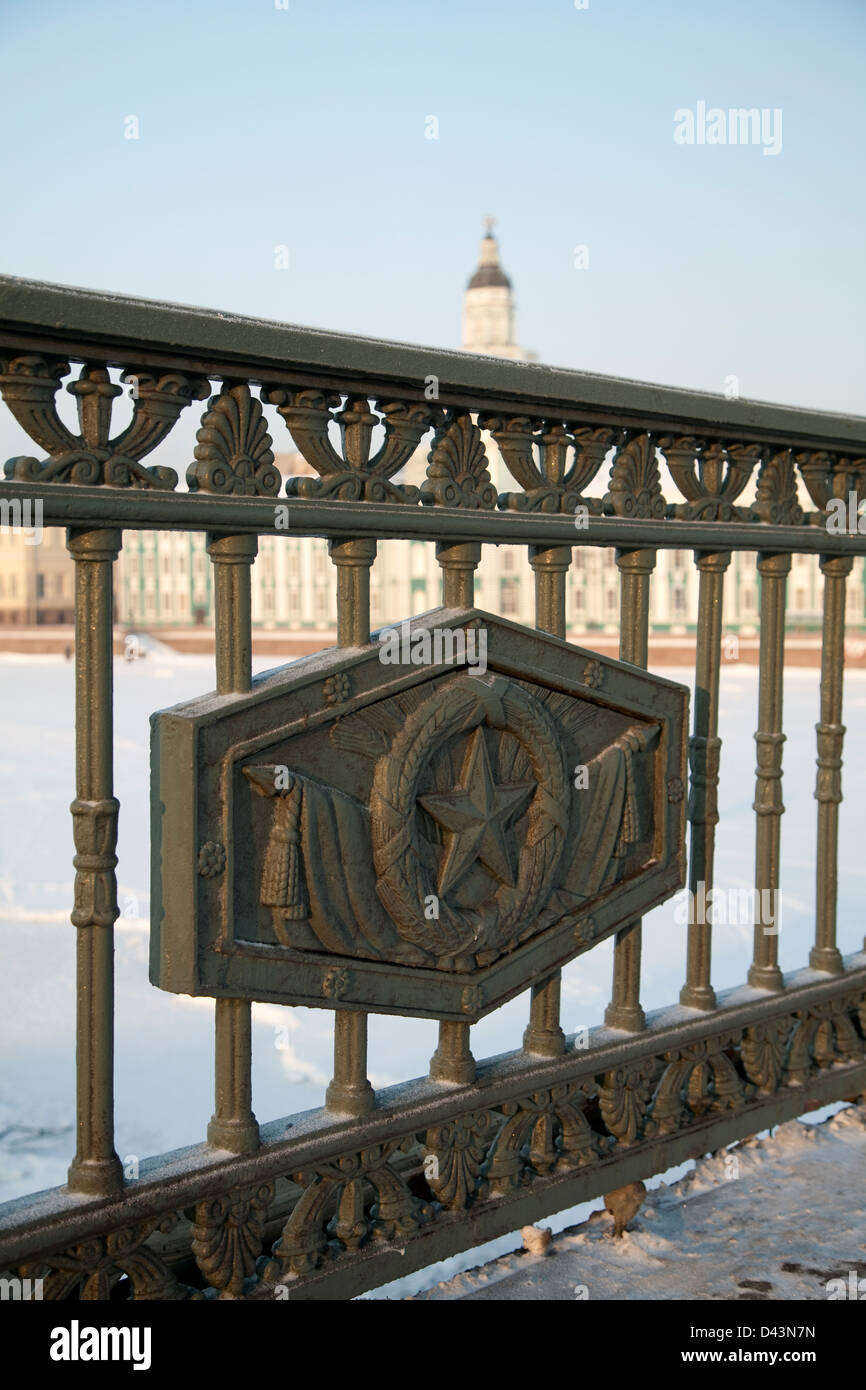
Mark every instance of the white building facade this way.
pixel 164 578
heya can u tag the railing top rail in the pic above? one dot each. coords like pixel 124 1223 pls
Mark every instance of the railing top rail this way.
pixel 77 321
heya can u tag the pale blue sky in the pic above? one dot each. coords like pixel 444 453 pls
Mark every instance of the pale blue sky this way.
pixel 306 127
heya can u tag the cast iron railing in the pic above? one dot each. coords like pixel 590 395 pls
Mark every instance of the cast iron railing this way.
pixel 345 1198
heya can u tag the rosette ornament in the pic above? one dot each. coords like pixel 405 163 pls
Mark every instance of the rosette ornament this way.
pixel 536 454
pixel 353 474
pixel 29 385
pixel 710 475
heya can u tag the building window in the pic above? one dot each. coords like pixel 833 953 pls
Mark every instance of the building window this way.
pixel 509 597
pixel 679 600
pixel 611 598
pixel 578 558
pixel 40 586
pixel 508 559
pixel 580 600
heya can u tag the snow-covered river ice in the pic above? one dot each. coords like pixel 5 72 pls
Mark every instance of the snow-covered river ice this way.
pixel 164 1042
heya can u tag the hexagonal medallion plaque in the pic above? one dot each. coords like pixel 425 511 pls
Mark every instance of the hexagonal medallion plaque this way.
pixel 421 826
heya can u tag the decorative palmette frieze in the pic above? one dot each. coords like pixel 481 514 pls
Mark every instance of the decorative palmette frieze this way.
pixel 90 1269
pixel 776 495
pixel 353 474
pixel 710 476
pixel 764 1049
pixel 635 488
pixel 830 476
pixel 29 386
pixel 698 1078
pixel 625 1098
pixel 94 830
pixel 537 456
pixel 824 1036
pixel 227 1236
pixel 345 1203
pixel 453 1157
pixel 234 453
pixel 457 473
pixel 475 1158
pixel 545 1131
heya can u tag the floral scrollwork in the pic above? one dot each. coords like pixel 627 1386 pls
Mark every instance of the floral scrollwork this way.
pixel 546 1130
pixel 537 456
pixel 763 1051
pixel 824 1036
pixel 227 1236
pixel 457 473
pixel 710 476
pixel 234 454
pixel 92 1268
pixel 29 386
pixel 353 474
pixel 635 488
pixel 453 1157
pixel 624 1097
pixel 369 1199
pixel 698 1078
pixel 776 495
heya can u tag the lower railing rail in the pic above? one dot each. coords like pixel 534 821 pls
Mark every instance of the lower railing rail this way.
pixel 330 1208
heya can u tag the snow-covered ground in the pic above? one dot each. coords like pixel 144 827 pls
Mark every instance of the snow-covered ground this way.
pixel 164 1042
pixel 777 1217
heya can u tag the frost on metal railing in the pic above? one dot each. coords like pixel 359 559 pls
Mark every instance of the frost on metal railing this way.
pixel 425 826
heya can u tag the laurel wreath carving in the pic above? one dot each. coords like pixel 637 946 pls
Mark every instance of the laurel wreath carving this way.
pixel 402 881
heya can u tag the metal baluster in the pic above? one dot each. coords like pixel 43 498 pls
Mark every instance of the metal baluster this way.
pixel 635 566
pixel 774 570
pixel 233 1125
pixel 825 954
pixel 544 1035
pixel 453 1060
pixel 704 748
pixel 350 1092
pixel 96 1167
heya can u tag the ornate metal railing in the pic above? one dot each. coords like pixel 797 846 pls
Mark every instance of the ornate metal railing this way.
pixel 410 837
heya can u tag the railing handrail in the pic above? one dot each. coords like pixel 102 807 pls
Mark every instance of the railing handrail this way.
pixel 72 321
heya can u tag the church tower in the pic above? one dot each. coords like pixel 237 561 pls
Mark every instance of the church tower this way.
pixel 488 305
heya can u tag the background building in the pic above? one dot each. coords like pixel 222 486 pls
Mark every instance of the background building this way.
pixel 164 578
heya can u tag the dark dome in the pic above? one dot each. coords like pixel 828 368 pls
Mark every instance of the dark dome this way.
pixel 487 275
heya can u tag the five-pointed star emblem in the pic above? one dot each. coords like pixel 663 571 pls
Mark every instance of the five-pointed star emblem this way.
pixel 477 814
